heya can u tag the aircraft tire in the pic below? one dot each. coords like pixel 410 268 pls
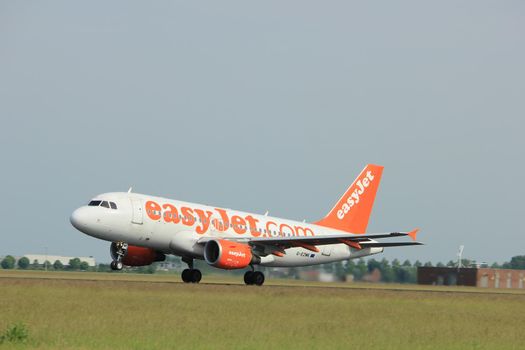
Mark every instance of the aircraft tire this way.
pixel 196 276
pixel 248 277
pixel 258 278
pixel 116 265
pixel 186 276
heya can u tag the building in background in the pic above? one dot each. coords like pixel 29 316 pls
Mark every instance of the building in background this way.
pixel 170 265
pixel 471 276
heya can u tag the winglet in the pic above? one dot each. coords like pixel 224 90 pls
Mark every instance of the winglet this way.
pixel 413 234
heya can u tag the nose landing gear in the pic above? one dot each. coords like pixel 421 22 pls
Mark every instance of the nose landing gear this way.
pixel 116 265
pixel 119 253
pixel 190 275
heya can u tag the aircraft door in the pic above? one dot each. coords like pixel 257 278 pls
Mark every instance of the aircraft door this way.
pixel 136 207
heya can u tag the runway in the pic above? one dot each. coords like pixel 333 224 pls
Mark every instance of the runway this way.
pixel 236 281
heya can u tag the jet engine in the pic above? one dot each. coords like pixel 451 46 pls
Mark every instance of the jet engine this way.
pixel 137 256
pixel 229 255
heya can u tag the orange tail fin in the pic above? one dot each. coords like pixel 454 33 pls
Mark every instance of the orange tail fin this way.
pixel 352 211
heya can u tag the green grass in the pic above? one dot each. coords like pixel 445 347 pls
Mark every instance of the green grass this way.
pixel 121 311
pixel 15 333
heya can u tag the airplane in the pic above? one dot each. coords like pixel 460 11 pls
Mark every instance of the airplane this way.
pixel 144 229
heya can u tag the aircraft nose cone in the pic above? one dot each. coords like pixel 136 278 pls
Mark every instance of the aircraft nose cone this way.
pixel 78 219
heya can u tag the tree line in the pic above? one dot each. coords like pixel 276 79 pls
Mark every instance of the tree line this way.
pixel 406 272
pixel 75 264
pixel 359 270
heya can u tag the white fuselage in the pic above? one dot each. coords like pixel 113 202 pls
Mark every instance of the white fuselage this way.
pixel 179 228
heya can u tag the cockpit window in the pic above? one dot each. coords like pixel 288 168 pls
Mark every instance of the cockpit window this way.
pixel 104 204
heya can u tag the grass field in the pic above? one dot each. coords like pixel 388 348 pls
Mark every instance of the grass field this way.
pixel 123 311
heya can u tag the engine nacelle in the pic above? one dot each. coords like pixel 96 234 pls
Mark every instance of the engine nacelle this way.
pixel 138 256
pixel 229 255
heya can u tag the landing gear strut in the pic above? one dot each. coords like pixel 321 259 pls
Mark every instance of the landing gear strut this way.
pixel 120 252
pixel 254 277
pixel 190 275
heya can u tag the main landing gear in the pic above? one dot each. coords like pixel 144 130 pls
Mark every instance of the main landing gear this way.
pixel 190 275
pixel 120 252
pixel 254 277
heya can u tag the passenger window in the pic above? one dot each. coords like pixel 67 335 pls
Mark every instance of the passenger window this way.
pixel 94 203
pixel 113 205
pixel 105 204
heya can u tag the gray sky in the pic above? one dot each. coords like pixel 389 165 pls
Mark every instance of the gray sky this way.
pixel 266 105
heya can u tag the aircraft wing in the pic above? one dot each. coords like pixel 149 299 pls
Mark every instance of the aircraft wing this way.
pixel 310 242
pixel 355 241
